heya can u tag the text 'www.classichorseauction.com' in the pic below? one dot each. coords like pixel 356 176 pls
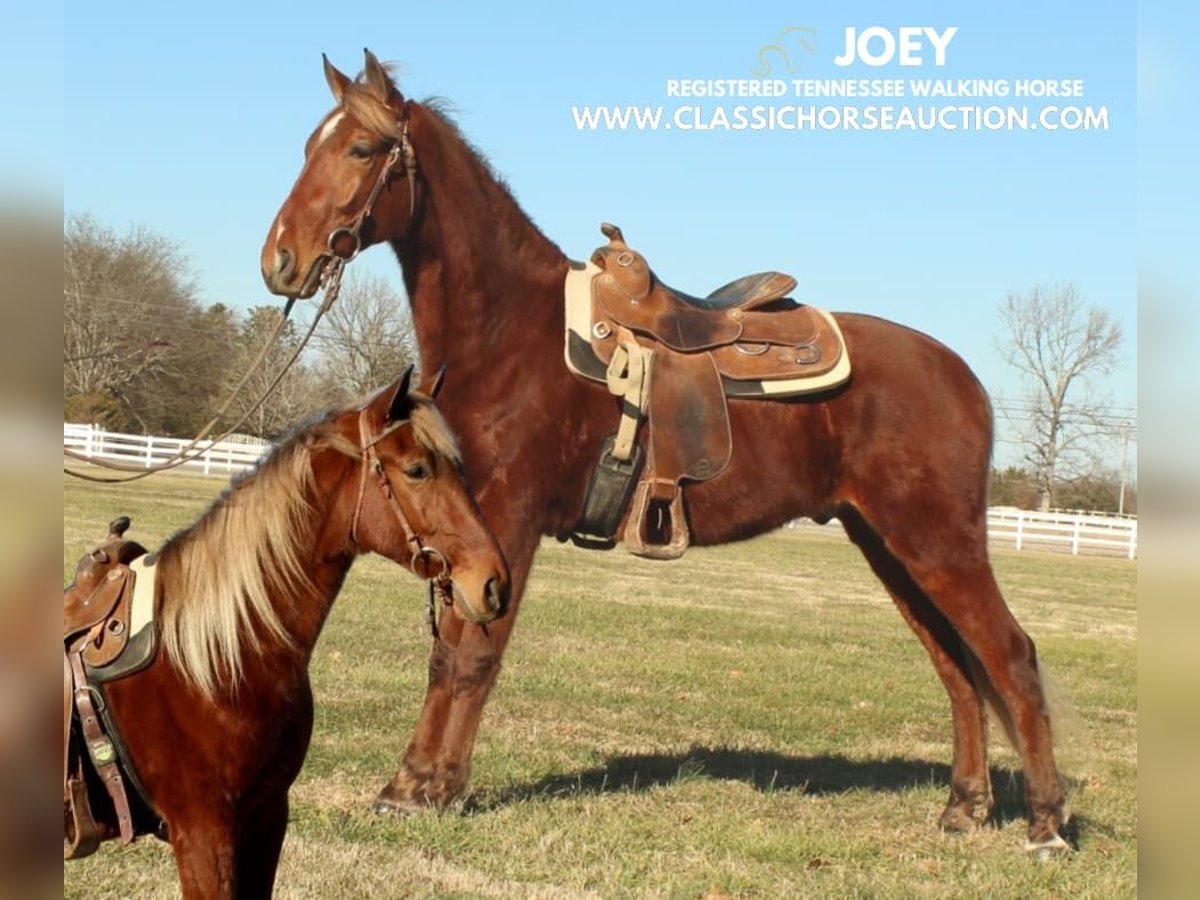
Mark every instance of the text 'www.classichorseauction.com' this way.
pixel 866 104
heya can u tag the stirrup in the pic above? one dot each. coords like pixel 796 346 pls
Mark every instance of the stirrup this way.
pixel 85 834
pixel 634 539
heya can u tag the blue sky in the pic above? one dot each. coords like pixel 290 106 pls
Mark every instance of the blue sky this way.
pixel 190 119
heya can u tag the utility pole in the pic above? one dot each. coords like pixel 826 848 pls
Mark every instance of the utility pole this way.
pixel 1125 432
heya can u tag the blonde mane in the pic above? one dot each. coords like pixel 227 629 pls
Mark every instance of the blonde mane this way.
pixel 219 575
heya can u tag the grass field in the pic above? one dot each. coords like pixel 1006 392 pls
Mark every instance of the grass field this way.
pixel 753 720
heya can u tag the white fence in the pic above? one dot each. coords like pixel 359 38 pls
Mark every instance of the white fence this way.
pixel 231 455
pixel 1063 531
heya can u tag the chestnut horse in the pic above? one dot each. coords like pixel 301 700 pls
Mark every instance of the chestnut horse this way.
pixel 217 726
pixel 900 455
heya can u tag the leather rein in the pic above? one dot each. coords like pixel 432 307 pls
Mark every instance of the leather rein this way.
pixel 423 555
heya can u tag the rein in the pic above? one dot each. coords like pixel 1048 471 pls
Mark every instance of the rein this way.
pixel 440 594
pixel 401 160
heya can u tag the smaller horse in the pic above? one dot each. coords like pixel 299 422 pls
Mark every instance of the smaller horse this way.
pixel 215 729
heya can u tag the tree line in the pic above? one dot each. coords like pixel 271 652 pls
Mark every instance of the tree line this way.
pixel 142 354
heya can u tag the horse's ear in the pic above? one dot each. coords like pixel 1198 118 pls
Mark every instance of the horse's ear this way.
pixel 400 406
pixel 337 81
pixel 432 385
pixel 378 79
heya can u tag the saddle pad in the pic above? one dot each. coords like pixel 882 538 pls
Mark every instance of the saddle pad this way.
pixel 142 646
pixel 745 371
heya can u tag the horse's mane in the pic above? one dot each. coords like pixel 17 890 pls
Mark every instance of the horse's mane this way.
pixel 219 575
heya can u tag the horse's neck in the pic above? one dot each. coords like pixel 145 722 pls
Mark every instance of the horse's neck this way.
pixel 306 622
pixel 326 570
pixel 480 275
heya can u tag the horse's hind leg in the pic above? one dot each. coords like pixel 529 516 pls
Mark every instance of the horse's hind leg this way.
pixel 952 569
pixel 970 787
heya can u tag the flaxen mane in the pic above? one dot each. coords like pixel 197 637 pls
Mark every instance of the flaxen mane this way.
pixel 218 576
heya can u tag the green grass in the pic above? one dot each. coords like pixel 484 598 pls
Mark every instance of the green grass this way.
pixel 754 720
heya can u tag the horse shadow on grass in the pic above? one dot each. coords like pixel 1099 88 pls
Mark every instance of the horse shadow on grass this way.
pixel 764 770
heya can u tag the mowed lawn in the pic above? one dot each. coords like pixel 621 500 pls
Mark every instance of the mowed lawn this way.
pixel 753 720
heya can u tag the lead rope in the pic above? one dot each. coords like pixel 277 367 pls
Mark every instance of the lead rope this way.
pixel 331 283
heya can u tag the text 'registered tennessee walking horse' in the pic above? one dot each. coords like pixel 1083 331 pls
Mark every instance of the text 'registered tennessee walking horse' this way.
pixel 899 454
pixel 216 723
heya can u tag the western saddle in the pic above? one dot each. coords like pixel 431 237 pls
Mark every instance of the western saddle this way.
pixel 107 634
pixel 674 360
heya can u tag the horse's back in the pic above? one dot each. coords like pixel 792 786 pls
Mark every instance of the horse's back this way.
pixel 912 418
pixel 910 380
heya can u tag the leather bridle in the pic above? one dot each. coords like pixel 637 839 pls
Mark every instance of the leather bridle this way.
pixel 423 554
pixel 372 464
pixel 401 160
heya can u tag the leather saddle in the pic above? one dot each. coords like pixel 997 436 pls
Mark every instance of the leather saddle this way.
pixel 675 359
pixel 100 627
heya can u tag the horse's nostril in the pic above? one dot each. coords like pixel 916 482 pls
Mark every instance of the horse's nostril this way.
pixel 497 595
pixel 285 264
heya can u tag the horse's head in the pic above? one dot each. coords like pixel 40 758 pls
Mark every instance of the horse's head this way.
pixel 412 505
pixel 357 186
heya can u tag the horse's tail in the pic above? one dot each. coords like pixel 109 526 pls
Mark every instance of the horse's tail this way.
pixel 997 709
pixel 1067 728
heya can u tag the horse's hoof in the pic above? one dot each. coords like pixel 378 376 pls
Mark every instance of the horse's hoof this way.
pixel 1048 849
pixel 383 807
pixel 956 820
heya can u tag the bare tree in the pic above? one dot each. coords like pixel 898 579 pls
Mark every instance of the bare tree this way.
pixel 1058 344
pixel 365 339
pixel 136 343
pixel 292 399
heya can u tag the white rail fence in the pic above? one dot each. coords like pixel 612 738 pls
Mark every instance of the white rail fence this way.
pixel 1063 531
pixel 234 454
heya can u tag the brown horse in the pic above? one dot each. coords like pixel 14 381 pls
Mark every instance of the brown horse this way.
pixel 900 455
pixel 218 725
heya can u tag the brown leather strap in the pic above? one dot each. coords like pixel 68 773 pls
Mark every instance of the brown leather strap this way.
pixel 99 746
pixel 68 705
pixel 401 159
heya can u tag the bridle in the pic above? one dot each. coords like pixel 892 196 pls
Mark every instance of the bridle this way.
pixel 401 160
pixel 422 554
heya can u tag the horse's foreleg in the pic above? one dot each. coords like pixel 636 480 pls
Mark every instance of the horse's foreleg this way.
pixel 205 857
pixel 462 670
pixel 260 840
pixel 408 791
pixel 970 800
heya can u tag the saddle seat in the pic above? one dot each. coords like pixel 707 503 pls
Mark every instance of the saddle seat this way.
pixel 675 359
pixel 631 294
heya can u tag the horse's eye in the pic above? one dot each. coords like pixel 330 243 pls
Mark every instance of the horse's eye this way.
pixel 361 151
pixel 417 471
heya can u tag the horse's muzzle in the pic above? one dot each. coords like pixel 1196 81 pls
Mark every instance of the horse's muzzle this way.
pixel 491 603
pixel 281 275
